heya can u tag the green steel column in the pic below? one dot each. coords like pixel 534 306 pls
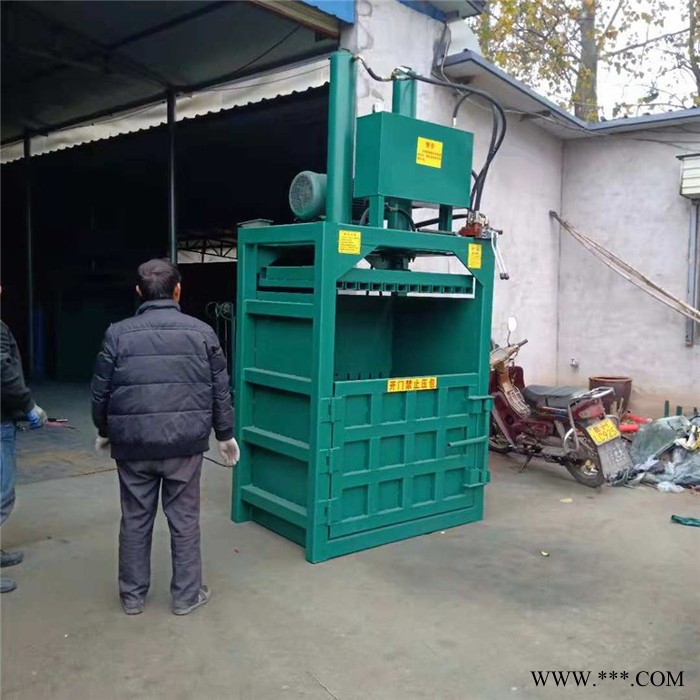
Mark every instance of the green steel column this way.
pixel 403 98
pixel 403 102
pixel 341 137
pixel 445 223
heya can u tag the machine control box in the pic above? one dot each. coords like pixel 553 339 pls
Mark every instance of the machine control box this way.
pixel 406 158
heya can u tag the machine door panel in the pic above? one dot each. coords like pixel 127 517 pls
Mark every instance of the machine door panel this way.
pixel 405 454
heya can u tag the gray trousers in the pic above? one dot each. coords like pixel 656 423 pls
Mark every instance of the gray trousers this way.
pixel 140 482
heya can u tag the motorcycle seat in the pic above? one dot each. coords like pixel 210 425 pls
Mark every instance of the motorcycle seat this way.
pixel 552 396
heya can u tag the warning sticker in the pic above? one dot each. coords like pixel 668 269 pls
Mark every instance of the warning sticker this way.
pixel 349 242
pixel 429 152
pixel 411 384
pixel 474 257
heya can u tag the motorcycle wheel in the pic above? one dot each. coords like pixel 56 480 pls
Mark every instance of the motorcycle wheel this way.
pixel 497 442
pixel 587 471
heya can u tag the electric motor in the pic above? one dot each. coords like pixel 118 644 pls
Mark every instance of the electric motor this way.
pixel 307 195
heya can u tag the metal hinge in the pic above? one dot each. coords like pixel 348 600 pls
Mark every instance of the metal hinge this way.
pixel 327 511
pixel 330 409
pixel 329 463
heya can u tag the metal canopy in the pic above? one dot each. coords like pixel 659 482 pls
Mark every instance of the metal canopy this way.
pixel 447 10
pixel 65 63
pixel 473 69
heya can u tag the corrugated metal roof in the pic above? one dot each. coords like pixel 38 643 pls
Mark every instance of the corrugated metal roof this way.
pixel 264 86
pixel 67 63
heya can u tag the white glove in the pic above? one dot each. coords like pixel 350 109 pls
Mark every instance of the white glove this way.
pixel 101 444
pixel 37 417
pixel 230 452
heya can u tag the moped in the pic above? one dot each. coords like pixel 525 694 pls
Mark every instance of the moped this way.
pixel 565 424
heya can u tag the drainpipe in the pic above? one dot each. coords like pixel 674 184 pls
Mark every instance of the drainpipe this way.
pixel 341 138
pixel 692 297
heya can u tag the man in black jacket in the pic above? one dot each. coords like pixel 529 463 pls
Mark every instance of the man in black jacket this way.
pixel 17 404
pixel 160 385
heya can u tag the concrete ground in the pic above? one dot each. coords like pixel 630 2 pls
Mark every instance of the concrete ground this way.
pixel 464 614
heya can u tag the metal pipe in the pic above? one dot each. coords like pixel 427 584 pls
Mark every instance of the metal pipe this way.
pixel 445 221
pixel 403 101
pixel 692 297
pixel 341 137
pixel 469 441
pixel 172 220
pixel 30 254
pixel 403 97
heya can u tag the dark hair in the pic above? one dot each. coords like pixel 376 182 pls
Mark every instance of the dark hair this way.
pixel 157 279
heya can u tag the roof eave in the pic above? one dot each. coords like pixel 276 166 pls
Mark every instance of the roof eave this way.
pixel 647 121
pixel 468 56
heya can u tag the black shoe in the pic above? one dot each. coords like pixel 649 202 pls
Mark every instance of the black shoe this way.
pixel 131 608
pixel 10 558
pixel 7 584
pixel 202 598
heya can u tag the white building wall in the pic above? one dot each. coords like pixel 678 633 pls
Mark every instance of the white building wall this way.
pixel 623 191
pixel 524 181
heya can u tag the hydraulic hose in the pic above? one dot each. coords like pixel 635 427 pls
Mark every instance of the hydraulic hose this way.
pixel 498 131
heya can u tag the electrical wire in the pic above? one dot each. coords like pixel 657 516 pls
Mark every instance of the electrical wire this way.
pixel 253 82
pixel 629 273
pixel 446 33
pixel 430 222
pixel 158 103
pixel 498 131
pixel 498 123
pixel 371 73
pixel 269 50
pixel 465 93
pixel 498 134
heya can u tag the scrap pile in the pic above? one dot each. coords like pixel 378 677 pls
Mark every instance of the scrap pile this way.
pixel 665 452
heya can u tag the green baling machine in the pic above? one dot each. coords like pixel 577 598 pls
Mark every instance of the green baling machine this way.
pixel 361 383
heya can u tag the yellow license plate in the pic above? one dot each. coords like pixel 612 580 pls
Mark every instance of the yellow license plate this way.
pixel 603 432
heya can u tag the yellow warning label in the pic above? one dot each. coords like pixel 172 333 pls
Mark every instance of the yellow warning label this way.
pixel 411 384
pixel 349 242
pixel 429 153
pixel 474 258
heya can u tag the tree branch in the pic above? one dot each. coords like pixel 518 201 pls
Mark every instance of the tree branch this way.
pixel 613 17
pixel 692 47
pixel 661 91
pixel 646 42
pixel 648 105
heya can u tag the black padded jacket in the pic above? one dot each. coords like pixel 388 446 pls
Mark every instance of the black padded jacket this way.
pixel 15 396
pixel 160 385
